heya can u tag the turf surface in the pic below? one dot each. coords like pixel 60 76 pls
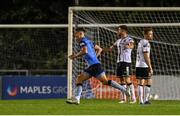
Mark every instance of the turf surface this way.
pixel 87 107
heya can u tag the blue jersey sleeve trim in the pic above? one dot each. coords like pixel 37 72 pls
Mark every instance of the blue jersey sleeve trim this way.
pixel 82 44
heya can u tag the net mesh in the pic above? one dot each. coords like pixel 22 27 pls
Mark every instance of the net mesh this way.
pixel 165 48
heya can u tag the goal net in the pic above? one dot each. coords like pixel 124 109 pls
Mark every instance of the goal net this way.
pixel 101 23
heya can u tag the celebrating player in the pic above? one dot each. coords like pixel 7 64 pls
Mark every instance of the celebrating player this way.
pixel 88 52
pixel 124 45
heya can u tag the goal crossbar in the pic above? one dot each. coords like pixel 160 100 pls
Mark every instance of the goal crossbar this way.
pixel 16 26
pixel 125 8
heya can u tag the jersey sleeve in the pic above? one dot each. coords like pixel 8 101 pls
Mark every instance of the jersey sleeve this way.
pixel 94 44
pixel 131 40
pixel 82 44
pixel 146 47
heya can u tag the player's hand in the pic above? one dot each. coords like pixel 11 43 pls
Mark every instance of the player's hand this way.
pixel 72 57
pixel 150 72
pixel 127 46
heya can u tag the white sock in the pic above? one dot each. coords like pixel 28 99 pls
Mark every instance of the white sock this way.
pixel 78 92
pixel 116 85
pixel 133 92
pixel 123 95
pixel 147 92
pixel 140 91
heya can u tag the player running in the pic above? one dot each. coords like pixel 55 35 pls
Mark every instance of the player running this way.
pixel 88 52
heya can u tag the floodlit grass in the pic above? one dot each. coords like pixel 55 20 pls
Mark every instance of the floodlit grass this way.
pixel 87 107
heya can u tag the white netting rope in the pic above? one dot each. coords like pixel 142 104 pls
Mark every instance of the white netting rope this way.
pixel 165 46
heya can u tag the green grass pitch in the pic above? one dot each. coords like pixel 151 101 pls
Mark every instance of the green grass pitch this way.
pixel 87 107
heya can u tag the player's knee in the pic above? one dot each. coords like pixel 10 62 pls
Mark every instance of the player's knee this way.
pixel 79 79
pixel 128 80
pixel 149 82
pixel 123 82
pixel 109 82
pixel 141 82
pixel 105 82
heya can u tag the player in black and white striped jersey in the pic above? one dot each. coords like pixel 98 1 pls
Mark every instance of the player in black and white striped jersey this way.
pixel 124 45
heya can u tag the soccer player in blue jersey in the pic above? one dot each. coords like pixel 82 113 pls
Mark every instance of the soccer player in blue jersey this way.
pixel 90 51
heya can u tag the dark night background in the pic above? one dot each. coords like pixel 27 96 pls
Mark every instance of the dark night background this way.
pixel 27 48
pixel 55 11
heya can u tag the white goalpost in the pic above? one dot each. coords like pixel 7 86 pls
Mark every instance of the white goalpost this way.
pixel 100 24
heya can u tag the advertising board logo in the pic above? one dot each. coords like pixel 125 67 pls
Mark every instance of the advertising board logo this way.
pixel 12 91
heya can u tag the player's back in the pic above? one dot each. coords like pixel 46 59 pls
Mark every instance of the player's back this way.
pixel 90 57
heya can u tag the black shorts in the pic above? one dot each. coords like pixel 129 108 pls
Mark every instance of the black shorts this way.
pixel 94 70
pixel 142 73
pixel 123 69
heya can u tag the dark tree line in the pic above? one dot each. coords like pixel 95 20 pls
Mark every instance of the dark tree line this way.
pixel 55 11
pixel 33 11
pixel 45 49
pixel 33 48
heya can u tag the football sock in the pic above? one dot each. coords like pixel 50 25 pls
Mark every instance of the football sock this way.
pixel 140 91
pixel 78 91
pixel 132 92
pixel 123 95
pixel 147 92
pixel 116 85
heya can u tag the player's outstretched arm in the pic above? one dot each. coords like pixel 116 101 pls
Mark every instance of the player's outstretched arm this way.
pixel 110 49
